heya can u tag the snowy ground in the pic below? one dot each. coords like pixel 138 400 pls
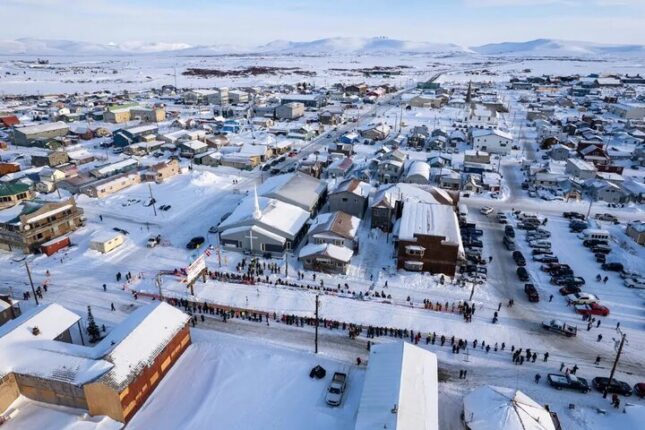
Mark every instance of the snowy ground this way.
pixel 241 384
pixel 200 197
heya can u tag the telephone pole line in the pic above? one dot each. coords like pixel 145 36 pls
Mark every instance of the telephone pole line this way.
pixel 152 200
pixel 613 368
pixel 316 326
pixel 31 282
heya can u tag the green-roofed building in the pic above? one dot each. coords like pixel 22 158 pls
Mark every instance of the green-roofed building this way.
pixel 12 194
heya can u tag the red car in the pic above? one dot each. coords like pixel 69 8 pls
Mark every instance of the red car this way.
pixel 639 389
pixel 592 309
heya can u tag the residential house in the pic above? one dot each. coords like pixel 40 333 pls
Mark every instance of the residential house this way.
pixel 428 238
pixel 492 140
pixel 8 168
pixel 559 152
pixel 123 166
pixel 340 167
pixel 125 137
pixel 335 228
pixel 608 192
pixel 28 225
pixel 376 132
pixel 326 258
pixel 631 111
pixel 238 97
pixel 290 111
pixel 161 171
pixel 118 114
pixel 350 196
pixel 52 159
pixel 152 114
pixel 580 169
pixel 636 230
pixel 9 309
pixel 13 193
pixel 191 148
pixel 315 101
pixel 110 185
pixel 38 135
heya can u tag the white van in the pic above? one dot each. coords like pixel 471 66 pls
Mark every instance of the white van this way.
pixel 595 234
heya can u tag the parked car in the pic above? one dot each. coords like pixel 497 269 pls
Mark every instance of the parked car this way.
pixel 542 251
pixel 522 274
pixel 568 381
pixel 573 215
pixel 560 328
pixel 501 218
pixel 486 210
pixel 195 242
pixel 639 389
pixel 336 389
pixel 612 267
pixel 592 309
pixel 519 258
pixel 550 266
pixel 590 243
pixel 634 283
pixel 606 217
pixel 531 293
pixel 568 281
pixel 509 231
pixel 600 258
pixel 582 298
pixel 545 258
pixel 570 289
pixel 600 249
pixel 576 226
pixel 120 230
pixel 601 383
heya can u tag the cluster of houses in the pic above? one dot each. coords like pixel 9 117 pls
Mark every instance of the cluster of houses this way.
pixel 591 136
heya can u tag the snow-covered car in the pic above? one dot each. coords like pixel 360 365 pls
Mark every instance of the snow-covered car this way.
pixel 501 218
pixel 212 229
pixel 606 217
pixel 486 210
pixel 568 381
pixel 582 298
pixel 635 283
pixel 592 309
pixel 336 389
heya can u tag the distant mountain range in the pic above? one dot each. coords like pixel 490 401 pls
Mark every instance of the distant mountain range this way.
pixel 336 45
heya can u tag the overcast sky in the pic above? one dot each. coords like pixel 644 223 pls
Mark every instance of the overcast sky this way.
pixel 247 22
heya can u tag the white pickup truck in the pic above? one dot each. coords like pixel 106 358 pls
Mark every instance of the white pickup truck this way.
pixel 336 389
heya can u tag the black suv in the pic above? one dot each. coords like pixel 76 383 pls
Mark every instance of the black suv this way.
pixel 601 383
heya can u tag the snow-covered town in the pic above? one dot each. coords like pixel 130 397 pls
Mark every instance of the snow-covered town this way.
pixel 348 233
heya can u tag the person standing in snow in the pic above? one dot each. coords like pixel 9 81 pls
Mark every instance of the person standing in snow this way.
pixel 537 378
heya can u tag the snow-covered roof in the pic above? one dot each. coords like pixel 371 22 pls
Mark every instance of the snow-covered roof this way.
pixel 387 195
pixel 280 216
pixel 42 128
pixel 142 129
pixel 109 168
pixel 354 186
pixel 26 351
pixel 335 252
pixel 429 219
pixel 340 223
pixel 296 188
pixel 139 340
pixel 420 168
pixel 400 390
pixel 499 408
pixel 488 132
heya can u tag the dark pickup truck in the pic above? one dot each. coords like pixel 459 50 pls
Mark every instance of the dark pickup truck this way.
pixel 569 382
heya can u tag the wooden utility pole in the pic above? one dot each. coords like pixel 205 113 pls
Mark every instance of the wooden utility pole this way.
pixel 33 290
pixel 613 368
pixel 152 200
pixel 316 326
